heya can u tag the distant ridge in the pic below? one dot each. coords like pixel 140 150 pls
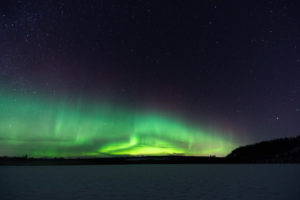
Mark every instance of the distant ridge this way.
pixel 284 150
pixel 111 160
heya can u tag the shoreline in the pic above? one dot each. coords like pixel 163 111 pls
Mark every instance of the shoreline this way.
pixel 23 161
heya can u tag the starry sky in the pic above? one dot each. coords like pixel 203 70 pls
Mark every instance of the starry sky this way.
pixel 181 77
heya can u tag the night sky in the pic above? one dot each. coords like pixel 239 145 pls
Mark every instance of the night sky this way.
pixel 95 78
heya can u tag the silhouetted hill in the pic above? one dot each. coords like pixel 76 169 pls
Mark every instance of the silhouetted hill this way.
pixel 285 150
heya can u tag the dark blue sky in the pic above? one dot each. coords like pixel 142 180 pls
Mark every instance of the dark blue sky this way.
pixel 232 62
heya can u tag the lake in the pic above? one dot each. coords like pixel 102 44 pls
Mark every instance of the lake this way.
pixel 181 181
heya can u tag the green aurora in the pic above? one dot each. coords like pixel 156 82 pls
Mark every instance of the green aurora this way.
pixel 42 127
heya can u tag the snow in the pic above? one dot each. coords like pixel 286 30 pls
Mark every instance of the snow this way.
pixel 142 182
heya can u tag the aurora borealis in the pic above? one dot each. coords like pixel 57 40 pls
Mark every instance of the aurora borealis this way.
pixel 47 128
pixel 113 78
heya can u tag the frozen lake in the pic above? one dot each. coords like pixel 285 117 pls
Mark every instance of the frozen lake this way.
pixel 280 181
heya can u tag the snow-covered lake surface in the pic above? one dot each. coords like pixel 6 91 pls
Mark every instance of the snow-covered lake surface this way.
pixel 142 182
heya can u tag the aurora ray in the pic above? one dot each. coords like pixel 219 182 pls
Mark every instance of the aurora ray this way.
pixel 42 127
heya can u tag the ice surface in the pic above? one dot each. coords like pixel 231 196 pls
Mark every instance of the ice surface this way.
pixel 142 182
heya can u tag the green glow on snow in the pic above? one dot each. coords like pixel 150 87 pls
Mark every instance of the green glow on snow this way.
pixel 41 127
